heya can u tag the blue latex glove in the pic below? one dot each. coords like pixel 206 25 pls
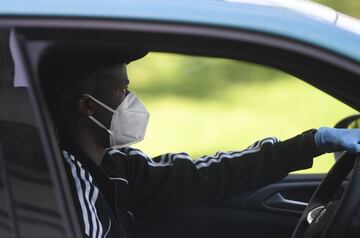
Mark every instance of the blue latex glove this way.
pixel 332 139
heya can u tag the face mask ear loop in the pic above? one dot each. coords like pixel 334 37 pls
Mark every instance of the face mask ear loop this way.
pixel 99 124
pixel 105 106
pixel 100 103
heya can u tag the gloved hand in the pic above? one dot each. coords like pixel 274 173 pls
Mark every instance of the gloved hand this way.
pixel 332 139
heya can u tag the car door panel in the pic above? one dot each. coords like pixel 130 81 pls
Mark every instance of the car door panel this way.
pixel 273 210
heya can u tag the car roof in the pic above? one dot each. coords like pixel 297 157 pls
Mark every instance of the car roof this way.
pixel 313 10
pixel 321 26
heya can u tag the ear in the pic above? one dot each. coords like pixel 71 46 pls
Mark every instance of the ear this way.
pixel 85 106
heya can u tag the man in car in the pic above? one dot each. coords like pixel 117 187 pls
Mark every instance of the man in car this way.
pixel 97 118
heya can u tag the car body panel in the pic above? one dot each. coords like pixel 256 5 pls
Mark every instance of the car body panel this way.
pixel 311 9
pixel 305 7
pixel 264 18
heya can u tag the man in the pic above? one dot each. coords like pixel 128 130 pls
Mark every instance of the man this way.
pixel 97 118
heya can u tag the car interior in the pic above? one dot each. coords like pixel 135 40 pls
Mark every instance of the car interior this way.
pixel 34 193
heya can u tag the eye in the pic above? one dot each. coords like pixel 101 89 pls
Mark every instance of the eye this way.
pixel 123 91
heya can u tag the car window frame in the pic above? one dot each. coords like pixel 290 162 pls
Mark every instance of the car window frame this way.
pixel 180 38
pixel 173 34
pixel 58 177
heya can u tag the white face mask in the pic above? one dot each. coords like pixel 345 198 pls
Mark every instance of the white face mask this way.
pixel 128 123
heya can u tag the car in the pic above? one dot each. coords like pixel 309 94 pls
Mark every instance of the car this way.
pixel 313 43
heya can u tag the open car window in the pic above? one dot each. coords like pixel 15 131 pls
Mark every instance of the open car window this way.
pixel 202 105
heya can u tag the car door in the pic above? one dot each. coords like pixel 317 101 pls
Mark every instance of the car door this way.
pixel 272 210
pixel 32 201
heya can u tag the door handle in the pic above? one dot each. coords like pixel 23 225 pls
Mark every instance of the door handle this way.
pixel 280 202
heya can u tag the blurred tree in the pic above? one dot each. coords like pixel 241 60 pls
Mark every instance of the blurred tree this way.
pixel 194 77
pixel 349 7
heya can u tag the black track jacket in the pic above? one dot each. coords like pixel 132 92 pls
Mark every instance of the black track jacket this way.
pixel 127 181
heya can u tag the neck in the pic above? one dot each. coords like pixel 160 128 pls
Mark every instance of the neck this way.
pixel 92 149
pixel 86 141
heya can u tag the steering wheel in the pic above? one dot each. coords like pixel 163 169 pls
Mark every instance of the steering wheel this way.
pixel 329 218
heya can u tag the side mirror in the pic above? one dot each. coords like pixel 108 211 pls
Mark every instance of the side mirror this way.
pixel 352 121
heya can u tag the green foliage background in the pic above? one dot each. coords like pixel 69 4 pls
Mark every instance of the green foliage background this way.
pixel 349 7
pixel 203 105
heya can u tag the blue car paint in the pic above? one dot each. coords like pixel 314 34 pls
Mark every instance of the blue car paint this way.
pixel 261 18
